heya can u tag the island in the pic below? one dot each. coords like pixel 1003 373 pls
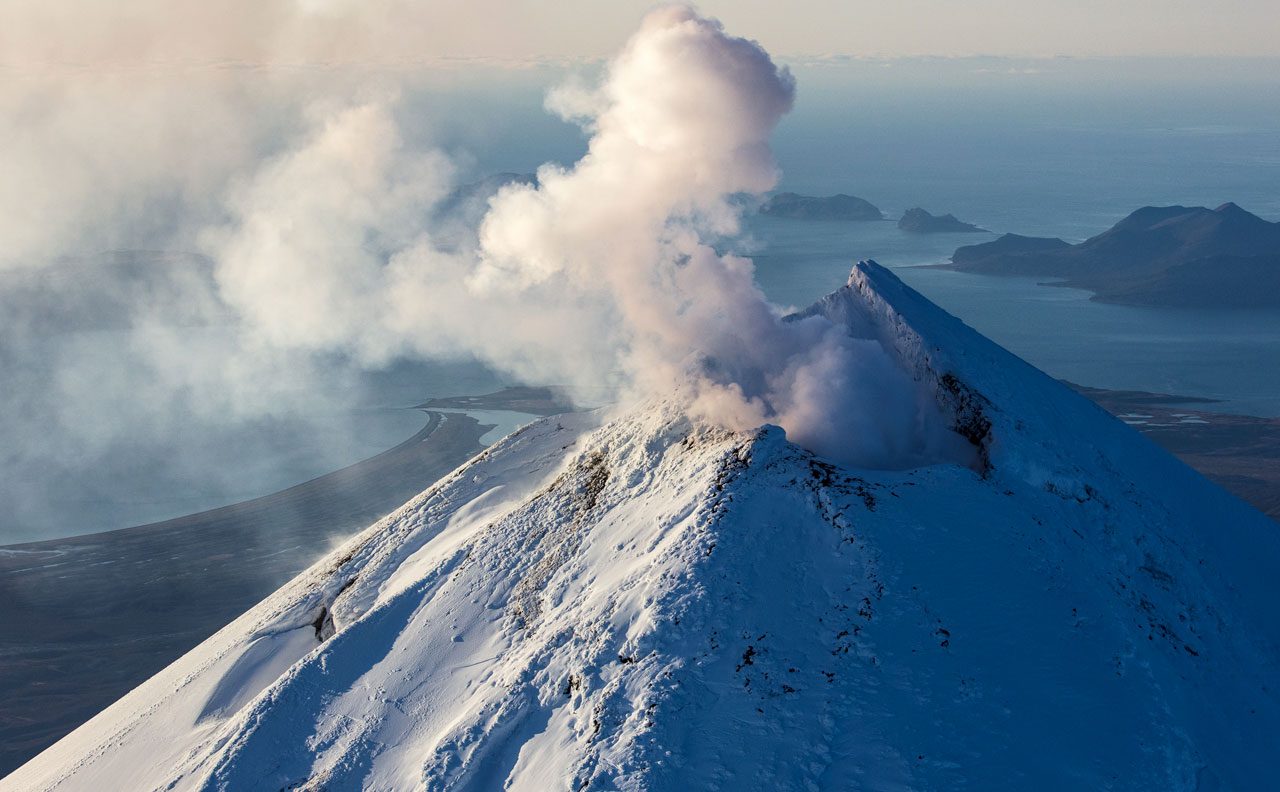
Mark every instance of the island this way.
pixel 1173 256
pixel 832 207
pixel 918 221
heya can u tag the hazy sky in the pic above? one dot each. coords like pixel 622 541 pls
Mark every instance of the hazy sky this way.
pixel 207 127
pixel 37 33
pixel 1005 27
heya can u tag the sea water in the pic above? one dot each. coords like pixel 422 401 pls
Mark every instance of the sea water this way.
pixel 203 464
pixel 1233 356
pixel 1056 147
pixel 1063 148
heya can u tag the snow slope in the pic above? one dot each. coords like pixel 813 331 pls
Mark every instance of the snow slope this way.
pixel 653 604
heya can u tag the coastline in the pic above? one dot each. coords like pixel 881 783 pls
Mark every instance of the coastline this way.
pixel 93 616
pixel 90 617
pixel 1240 453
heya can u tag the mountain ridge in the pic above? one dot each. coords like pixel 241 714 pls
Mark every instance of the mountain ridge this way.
pixel 1172 255
pixel 639 600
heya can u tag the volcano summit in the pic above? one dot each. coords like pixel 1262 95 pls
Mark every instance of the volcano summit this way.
pixel 641 600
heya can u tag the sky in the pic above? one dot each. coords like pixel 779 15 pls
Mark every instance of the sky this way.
pixel 1034 28
pixel 37 34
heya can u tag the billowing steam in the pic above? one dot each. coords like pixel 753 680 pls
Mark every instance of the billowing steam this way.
pixel 602 277
pixel 602 274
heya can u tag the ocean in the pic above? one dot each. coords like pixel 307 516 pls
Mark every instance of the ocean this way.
pixel 1051 148
pixel 1057 147
pixel 1231 356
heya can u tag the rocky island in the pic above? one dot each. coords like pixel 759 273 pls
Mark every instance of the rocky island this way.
pixel 831 207
pixel 918 221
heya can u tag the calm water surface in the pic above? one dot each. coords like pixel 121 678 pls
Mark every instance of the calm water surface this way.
pixel 1233 356
pixel 1040 154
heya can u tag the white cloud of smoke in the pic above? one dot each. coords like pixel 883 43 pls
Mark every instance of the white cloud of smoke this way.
pixel 602 273
pixel 602 277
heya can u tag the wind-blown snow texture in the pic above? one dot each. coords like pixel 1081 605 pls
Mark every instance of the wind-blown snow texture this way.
pixel 654 604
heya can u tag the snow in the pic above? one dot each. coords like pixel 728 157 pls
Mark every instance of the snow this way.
pixel 634 601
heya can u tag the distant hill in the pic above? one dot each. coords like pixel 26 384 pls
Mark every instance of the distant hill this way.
pixel 1012 254
pixel 918 221
pixel 1170 255
pixel 831 207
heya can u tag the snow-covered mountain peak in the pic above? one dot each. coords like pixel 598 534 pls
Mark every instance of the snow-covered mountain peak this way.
pixel 638 600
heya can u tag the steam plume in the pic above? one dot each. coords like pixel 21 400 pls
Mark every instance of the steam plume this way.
pixel 601 275
pixel 315 209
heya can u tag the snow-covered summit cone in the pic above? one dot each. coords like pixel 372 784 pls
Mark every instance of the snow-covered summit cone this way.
pixel 656 604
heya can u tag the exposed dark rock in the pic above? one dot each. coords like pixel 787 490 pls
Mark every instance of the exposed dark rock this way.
pixel 971 422
pixel 324 625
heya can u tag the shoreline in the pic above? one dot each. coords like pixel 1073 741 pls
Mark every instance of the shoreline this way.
pixel 434 419
pixel 1240 453
pixel 91 616
pixel 94 615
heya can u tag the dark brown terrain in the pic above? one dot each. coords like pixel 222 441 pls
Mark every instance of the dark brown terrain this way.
pixel 1240 453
